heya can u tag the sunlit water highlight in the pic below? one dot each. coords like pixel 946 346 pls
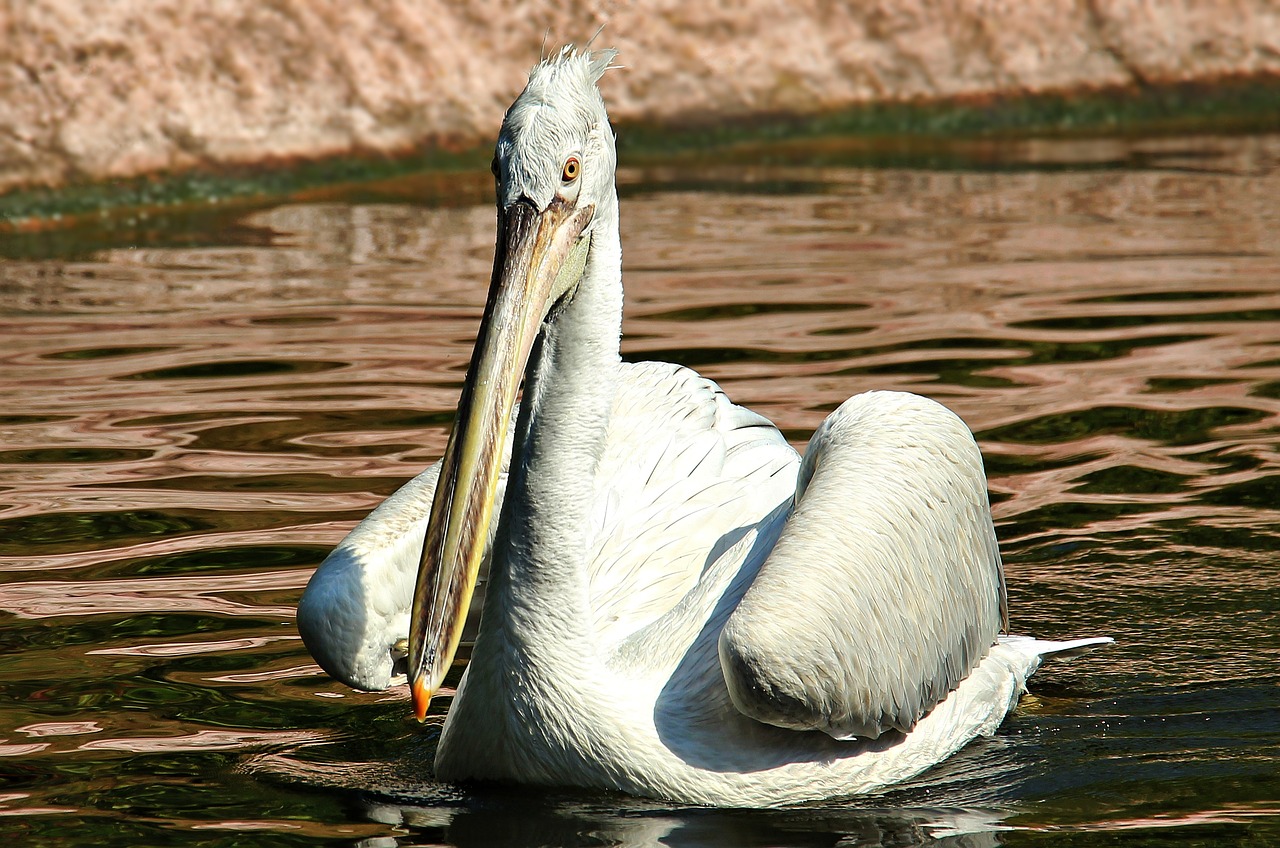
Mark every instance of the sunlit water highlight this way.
pixel 188 426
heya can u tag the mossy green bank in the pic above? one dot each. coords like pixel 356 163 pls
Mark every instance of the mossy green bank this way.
pixel 969 133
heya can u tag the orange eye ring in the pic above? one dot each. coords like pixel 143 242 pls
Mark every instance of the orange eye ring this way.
pixel 572 167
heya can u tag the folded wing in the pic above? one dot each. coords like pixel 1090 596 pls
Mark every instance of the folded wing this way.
pixel 885 588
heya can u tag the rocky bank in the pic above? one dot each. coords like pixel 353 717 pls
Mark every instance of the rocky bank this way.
pixel 92 90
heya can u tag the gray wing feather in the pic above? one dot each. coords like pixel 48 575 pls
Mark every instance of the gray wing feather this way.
pixel 885 588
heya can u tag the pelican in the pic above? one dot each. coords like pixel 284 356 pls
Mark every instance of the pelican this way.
pixel 678 604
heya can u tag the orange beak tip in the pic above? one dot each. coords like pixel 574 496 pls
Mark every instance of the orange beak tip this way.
pixel 421 699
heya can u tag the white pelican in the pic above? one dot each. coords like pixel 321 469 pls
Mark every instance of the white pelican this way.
pixel 679 605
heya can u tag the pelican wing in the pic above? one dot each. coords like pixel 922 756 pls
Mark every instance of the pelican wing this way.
pixel 354 613
pixel 683 469
pixel 885 587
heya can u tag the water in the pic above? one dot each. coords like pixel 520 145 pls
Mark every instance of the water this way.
pixel 189 423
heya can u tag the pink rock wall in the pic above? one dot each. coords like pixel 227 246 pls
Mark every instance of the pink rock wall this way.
pixel 92 89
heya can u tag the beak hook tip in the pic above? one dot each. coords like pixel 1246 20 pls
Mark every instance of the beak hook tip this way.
pixel 421 699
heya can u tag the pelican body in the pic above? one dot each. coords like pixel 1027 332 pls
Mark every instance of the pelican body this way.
pixel 679 605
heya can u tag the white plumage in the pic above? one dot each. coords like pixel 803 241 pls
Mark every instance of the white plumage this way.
pixel 678 606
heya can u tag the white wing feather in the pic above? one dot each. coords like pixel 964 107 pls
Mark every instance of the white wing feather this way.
pixel 682 471
pixel 885 588
pixel 354 612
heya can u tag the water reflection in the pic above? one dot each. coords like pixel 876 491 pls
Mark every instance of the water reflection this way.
pixel 190 427
pixel 171 594
pixel 492 815
pixel 531 822
pixel 59 728
pixel 204 740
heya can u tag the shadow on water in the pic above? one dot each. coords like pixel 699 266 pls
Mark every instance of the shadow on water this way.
pixel 398 792
pixel 534 821
pixel 194 419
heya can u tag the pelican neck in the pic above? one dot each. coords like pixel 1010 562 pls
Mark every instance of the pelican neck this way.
pixel 539 582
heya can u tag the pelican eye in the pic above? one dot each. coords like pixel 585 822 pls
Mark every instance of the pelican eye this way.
pixel 571 168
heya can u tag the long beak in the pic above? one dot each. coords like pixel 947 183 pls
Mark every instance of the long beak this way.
pixel 539 257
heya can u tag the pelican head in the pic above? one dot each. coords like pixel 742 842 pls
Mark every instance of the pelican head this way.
pixel 554 167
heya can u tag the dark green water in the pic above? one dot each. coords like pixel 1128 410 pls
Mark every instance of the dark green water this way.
pixel 190 418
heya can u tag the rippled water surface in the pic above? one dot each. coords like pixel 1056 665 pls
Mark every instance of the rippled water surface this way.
pixel 189 424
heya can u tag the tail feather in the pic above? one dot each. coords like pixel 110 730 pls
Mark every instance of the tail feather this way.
pixel 1047 648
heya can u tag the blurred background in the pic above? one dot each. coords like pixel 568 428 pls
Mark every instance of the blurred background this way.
pixel 91 92
pixel 243 254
